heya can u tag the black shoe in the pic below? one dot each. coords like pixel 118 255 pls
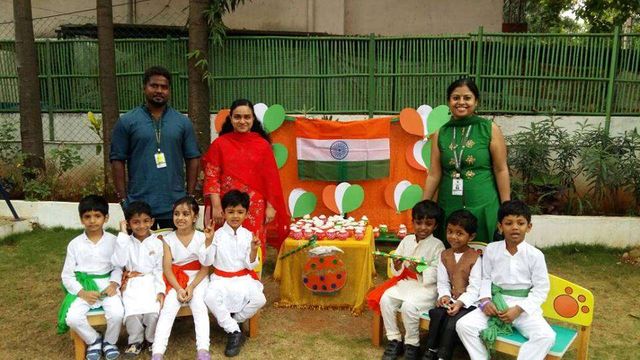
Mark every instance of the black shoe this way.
pixel 234 343
pixel 411 352
pixel 430 355
pixel 393 350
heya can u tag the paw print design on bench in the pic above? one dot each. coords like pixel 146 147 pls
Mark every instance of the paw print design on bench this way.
pixel 568 304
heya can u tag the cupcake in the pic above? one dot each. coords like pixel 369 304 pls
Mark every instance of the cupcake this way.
pixel 376 233
pixel 343 234
pixel 383 228
pixel 298 235
pixel 359 234
pixel 331 234
pixel 308 233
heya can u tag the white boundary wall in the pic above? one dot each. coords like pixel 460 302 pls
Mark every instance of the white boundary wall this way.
pixel 548 230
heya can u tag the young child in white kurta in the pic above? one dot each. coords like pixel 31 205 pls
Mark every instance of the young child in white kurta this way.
pixel 91 281
pixel 516 274
pixel 142 286
pixel 416 292
pixel 234 293
pixel 183 271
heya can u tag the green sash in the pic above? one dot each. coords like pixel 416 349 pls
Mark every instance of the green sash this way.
pixel 497 327
pixel 88 284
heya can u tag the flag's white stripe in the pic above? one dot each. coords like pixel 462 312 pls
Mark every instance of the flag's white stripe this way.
pixel 359 149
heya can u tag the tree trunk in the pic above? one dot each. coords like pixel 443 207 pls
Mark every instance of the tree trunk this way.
pixel 199 87
pixel 28 86
pixel 108 87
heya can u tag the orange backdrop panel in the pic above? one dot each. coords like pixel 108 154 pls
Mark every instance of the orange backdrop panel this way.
pixel 374 205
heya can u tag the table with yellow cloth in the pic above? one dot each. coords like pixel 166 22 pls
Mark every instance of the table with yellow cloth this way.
pixel 358 260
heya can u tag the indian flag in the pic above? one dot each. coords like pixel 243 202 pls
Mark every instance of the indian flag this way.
pixel 341 151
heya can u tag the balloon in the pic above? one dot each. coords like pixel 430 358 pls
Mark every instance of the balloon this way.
pixel 273 118
pixel 343 198
pixel 438 117
pixel 418 155
pixel 403 195
pixel 301 202
pixel 221 116
pixel 281 154
pixel 260 109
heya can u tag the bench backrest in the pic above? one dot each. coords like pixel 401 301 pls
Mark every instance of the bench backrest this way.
pixel 568 302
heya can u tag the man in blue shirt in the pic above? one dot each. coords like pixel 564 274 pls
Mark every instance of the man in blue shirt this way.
pixel 155 142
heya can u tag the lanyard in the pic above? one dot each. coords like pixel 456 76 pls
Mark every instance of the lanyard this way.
pixel 158 130
pixel 457 157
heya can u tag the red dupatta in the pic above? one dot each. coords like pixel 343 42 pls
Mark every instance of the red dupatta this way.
pixel 249 158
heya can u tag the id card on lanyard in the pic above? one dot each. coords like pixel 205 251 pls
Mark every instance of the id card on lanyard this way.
pixel 158 157
pixel 457 185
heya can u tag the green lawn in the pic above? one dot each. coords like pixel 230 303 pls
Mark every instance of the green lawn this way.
pixel 30 266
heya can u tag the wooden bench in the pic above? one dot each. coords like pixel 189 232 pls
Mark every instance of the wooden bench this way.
pixel 96 318
pixel 566 302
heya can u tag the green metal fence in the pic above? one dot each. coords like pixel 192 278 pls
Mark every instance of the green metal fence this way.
pixel 595 74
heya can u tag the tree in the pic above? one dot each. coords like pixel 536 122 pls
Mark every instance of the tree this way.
pixel 605 15
pixel 28 86
pixel 597 15
pixel 108 85
pixel 205 20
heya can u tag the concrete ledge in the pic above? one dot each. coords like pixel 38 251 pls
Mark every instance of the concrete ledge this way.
pixel 548 230
pixel 10 226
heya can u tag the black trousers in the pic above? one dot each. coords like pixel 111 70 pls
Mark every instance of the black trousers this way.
pixel 442 331
pixel 163 224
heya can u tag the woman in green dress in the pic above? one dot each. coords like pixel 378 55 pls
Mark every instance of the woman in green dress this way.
pixel 469 162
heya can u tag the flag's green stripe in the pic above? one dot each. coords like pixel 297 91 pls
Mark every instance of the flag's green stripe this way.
pixel 342 170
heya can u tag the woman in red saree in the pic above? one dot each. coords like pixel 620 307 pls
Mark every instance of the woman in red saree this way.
pixel 241 158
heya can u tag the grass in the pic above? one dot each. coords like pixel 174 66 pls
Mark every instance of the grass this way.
pixel 30 266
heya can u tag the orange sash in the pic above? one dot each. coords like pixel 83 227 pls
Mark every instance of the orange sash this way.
pixel 181 276
pixel 126 275
pixel 374 296
pixel 242 272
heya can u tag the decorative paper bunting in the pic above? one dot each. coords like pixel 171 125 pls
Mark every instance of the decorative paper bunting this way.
pixel 301 202
pixel 273 118
pixel 419 155
pixel 259 109
pixel 438 117
pixel 281 154
pixel 221 116
pixel 343 198
pixel 403 195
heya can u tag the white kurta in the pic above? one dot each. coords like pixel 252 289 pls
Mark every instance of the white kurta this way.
pixel 470 296
pixel 421 292
pixel 230 252
pixel 92 258
pixel 140 295
pixel 526 269
pixel 240 295
pixel 182 255
pixel 410 296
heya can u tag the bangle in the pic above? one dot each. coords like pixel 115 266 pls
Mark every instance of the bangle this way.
pixel 483 304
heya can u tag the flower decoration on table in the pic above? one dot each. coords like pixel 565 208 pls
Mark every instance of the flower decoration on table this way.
pixel 324 272
pixel 403 195
pixel 343 198
pixel 422 263
pixel 334 227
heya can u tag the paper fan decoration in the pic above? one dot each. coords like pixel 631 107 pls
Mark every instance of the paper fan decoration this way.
pixel 343 198
pixel 281 154
pixel 259 109
pixel 273 118
pixel 301 202
pixel 403 195
pixel 221 116
pixel 419 155
pixel 437 117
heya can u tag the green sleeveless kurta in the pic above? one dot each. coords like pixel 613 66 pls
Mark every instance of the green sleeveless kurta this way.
pixel 480 192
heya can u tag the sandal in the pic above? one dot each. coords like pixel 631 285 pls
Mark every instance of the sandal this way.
pixel 110 351
pixel 94 351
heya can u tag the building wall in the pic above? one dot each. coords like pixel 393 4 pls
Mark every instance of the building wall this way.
pixel 337 17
